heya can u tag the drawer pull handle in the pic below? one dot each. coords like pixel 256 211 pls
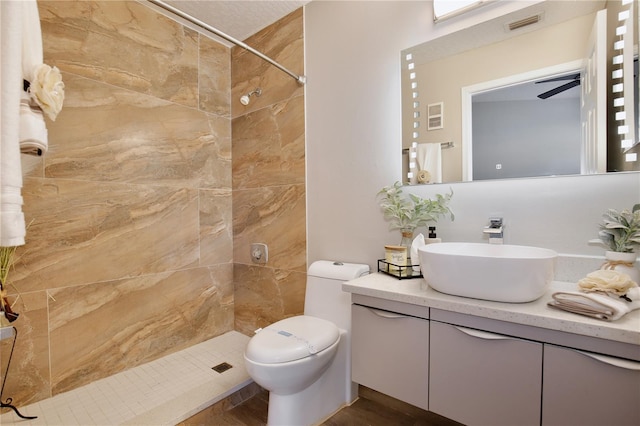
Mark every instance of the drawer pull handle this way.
pixel 386 314
pixel 617 362
pixel 482 334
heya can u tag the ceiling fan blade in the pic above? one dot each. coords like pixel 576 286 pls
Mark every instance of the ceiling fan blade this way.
pixel 559 89
pixel 563 78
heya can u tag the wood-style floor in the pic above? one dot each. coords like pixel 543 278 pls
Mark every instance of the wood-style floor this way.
pixel 372 409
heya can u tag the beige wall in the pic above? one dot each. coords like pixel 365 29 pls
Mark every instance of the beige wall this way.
pixel 353 132
pixel 129 253
pixel 269 177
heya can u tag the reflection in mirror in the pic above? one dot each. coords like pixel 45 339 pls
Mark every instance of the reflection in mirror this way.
pixel 470 62
pixel 499 147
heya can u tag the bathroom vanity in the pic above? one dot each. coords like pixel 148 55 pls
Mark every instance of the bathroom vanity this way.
pixel 482 362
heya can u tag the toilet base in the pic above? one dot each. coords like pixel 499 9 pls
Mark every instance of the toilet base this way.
pixel 332 391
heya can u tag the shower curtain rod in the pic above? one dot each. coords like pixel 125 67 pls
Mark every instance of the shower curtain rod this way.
pixel 301 79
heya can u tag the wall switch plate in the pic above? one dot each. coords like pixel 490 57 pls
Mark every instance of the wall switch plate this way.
pixel 259 253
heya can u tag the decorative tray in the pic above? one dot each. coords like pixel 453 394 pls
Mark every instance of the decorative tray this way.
pixel 401 272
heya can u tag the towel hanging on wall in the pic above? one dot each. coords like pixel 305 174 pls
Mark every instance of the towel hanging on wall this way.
pixel 23 107
pixel 12 227
pixel 33 130
pixel 43 90
pixel 430 159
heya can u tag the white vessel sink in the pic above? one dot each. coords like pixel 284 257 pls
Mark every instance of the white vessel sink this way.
pixel 502 273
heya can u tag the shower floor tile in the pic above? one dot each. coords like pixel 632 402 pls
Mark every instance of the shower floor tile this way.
pixel 163 392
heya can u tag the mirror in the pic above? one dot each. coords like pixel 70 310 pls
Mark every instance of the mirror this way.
pixel 498 145
pixel 449 82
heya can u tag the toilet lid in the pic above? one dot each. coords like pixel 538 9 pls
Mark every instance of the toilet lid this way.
pixel 291 339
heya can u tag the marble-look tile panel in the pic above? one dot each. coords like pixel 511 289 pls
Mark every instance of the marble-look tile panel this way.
pixel 134 321
pixel 283 42
pixel 123 43
pixel 109 134
pixel 28 376
pixel 32 166
pixel 265 295
pixel 216 226
pixel 214 77
pixel 83 232
pixel 269 146
pixel 275 216
pixel 134 192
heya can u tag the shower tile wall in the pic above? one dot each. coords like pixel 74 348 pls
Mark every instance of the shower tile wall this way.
pixel 129 249
pixel 268 173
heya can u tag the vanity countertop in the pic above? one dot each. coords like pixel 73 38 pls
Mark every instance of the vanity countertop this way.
pixel 536 313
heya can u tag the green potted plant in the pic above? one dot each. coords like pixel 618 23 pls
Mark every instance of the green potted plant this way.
pixel 620 234
pixel 408 213
pixel 620 231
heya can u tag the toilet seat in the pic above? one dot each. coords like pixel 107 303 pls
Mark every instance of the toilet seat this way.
pixel 291 339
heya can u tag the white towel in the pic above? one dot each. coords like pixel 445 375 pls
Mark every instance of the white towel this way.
pixel 12 227
pixel 33 130
pixel 430 159
pixel 32 55
pixel 415 256
pixel 597 305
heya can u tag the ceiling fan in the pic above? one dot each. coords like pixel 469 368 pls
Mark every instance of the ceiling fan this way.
pixel 574 80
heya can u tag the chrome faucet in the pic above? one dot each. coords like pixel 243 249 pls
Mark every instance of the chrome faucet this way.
pixel 495 230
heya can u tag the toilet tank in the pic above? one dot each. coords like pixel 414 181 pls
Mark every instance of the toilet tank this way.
pixel 324 297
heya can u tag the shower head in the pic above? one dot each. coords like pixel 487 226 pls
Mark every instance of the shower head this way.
pixel 244 100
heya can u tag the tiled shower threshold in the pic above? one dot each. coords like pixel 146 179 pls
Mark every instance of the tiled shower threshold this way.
pixel 162 392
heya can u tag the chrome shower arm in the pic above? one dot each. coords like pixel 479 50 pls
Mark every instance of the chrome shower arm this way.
pixel 301 79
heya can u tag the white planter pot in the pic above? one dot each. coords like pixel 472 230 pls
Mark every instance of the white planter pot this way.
pixel 623 262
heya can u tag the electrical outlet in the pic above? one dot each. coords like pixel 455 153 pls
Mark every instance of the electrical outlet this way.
pixel 259 253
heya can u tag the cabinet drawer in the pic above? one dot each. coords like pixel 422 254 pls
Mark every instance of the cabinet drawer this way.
pixel 582 388
pixel 480 378
pixel 390 354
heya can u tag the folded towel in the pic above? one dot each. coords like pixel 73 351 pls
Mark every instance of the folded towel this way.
pixel 603 306
pixel 33 130
pixel 12 227
pixel 43 88
pixel 430 159
pixel 21 46
pixel 31 39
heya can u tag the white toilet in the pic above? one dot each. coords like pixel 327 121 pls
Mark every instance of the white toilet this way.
pixel 305 361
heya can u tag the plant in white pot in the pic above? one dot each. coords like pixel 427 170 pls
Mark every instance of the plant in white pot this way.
pixel 620 234
pixel 408 213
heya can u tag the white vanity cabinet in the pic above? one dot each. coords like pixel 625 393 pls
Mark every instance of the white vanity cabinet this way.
pixel 390 351
pixel 481 378
pixel 488 363
pixel 583 388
